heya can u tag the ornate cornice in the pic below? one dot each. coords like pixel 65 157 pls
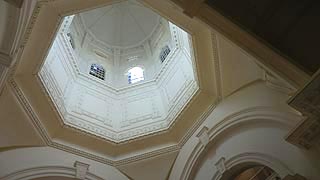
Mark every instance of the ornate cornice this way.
pixel 124 134
pixel 50 142
pixel 13 83
pixel 45 171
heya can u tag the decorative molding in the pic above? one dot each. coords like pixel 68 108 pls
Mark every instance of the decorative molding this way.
pixel 44 134
pixel 49 142
pixel 24 101
pixel 39 172
pixel 81 170
pixel 221 166
pixel 77 116
pixel 217 67
pixel 253 157
pixel 104 159
pixel 71 62
pixel 32 21
pixel 209 110
pixel 5 59
pixel 3 77
pixel 277 84
pixel 197 124
pixel 29 110
pixel 203 136
pixel 250 115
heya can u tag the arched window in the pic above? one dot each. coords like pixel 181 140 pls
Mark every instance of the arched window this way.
pixel 164 53
pixel 97 71
pixel 135 74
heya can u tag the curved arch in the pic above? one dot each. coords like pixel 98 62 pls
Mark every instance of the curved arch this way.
pixel 47 171
pixel 133 66
pixel 253 158
pixel 256 115
pixel 51 161
pixel 135 74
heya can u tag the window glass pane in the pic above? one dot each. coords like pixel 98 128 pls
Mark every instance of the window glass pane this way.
pixel 97 71
pixel 135 75
pixel 164 53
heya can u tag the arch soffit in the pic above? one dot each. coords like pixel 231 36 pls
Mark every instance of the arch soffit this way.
pixel 251 116
pixel 256 158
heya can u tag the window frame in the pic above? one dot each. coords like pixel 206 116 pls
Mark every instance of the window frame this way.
pixel 97 70
pixel 137 79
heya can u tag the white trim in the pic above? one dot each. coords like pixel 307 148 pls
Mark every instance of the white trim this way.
pixel 46 171
pixel 253 157
pixel 257 114
pixel 25 100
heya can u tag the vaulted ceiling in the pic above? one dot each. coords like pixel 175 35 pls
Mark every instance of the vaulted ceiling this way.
pixel 122 24
pixel 290 27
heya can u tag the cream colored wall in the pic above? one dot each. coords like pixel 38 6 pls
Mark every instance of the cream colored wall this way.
pixel 258 135
pixel 253 118
pixel 13 25
pixel 250 121
pixel 260 109
pixel 267 140
pixel 44 116
pixel 238 68
pixel 16 129
pixel 15 161
pixel 157 168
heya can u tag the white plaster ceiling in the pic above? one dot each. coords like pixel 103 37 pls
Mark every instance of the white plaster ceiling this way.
pixel 42 111
pixel 123 24
pixel 142 109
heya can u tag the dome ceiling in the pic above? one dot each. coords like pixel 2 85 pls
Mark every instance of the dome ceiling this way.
pixel 146 92
pixel 124 24
pixel 59 95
